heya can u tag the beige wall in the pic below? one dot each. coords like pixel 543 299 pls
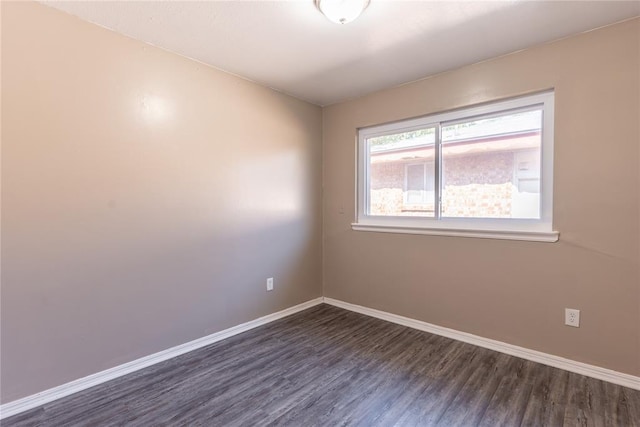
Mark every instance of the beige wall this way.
pixel 506 290
pixel 145 199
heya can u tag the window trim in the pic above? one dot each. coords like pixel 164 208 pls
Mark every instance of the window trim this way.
pixel 494 228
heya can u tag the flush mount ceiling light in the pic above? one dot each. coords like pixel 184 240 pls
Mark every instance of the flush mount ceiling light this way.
pixel 342 11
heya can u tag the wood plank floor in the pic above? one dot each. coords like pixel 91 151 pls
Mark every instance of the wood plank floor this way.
pixel 329 367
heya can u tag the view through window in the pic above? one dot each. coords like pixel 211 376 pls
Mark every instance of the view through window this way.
pixel 480 163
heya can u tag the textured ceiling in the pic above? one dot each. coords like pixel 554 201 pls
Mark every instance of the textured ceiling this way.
pixel 291 47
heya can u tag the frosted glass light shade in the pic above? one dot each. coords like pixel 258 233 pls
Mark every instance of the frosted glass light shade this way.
pixel 342 11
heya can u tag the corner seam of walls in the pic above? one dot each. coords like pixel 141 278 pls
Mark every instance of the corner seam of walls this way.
pixel 322 202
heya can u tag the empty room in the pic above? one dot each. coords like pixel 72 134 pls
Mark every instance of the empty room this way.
pixel 320 213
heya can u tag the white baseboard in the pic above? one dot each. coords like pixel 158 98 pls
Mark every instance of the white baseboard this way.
pixel 44 397
pixel 39 399
pixel 597 372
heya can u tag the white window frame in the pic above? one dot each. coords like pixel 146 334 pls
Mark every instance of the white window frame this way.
pixel 540 230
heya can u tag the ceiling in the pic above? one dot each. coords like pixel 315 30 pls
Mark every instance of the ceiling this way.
pixel 291 47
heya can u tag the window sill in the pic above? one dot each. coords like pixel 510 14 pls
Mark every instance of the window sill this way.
pixel 530 236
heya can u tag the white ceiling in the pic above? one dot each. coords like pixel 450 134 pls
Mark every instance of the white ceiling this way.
pixel 291 47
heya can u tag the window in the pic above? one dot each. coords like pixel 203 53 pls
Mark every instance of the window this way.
pixel 484 171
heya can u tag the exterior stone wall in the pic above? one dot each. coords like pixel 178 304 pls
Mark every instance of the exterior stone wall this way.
pixel 463 195
pixel 478 200
pixel 386 201
pixel 490 168
pixel 387 175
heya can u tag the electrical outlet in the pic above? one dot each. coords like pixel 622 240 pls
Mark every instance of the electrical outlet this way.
pixel 572 317
pixel 270 284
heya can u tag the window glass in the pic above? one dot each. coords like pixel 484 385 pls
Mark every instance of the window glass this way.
pixel 401 168
pixel 491 167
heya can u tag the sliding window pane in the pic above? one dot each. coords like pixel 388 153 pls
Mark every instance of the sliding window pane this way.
pixel 491 167
pixel 401 174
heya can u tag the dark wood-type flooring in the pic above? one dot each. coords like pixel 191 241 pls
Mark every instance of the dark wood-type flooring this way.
pixel 329 367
